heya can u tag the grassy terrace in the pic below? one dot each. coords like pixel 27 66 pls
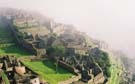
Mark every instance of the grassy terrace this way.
pixel 46 69
pixel 116 71
pixel 7 46
pixel 12 49
pixel 115 79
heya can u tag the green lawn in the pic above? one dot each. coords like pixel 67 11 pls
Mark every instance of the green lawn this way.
pixel 8 46
pixel 46 69
pixel 115 79
pixel 116 71
pixel 12 49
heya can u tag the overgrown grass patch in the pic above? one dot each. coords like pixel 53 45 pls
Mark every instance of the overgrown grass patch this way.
pixel 13 49
pixel 47 70
pixel 116 71
pixel 4 77
pixel 8 46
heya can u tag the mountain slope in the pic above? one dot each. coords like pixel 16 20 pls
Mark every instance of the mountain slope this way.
pixel 67 46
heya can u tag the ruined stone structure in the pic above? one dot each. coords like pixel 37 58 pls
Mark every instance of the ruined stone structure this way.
pixel 77 49
pixel 68 67
pixel 32 37
pixel 17 73
pixel 29 41
pixel 36 34
pixel 90 71
pixel 56 28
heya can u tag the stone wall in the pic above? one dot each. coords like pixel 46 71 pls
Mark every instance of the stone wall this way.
pixel 71 80
pixel 68 67
pixel 99 78
pixel 23 42
pixel 29 46
pixel 59 29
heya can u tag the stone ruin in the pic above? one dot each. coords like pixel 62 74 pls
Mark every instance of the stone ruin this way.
pixel 36 44
pixel 29 41
pixel 17 73
pixel 84 65
pixel 76 64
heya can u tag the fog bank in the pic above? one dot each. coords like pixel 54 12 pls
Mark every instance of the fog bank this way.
pixel 108 20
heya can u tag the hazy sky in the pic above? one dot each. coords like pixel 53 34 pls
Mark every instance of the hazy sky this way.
pixel 109 20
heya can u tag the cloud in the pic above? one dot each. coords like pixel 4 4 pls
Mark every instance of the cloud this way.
pixel 109 20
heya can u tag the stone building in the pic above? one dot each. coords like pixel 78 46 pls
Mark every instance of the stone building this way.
pixel 17 73
pixel 93 75
pixel 57 28
pixel 29 41
pixel 77 49
pixel 21 70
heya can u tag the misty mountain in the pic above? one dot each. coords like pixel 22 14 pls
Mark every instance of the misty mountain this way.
pixel 32 26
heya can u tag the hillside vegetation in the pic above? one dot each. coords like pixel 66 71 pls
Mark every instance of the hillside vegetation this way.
pixel 32 32
pixel 47 71
pixel 7 44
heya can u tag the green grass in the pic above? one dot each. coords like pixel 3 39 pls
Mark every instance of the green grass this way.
pixel 115 79
pixel 4 77
pixel 116 71
pixel 12 49
pixel 8 46
pixel 46 69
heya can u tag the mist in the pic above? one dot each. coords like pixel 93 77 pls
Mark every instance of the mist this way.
pixel 108 20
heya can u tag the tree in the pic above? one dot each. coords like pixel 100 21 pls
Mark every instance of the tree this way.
pixel 102 58
pixel 58 51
